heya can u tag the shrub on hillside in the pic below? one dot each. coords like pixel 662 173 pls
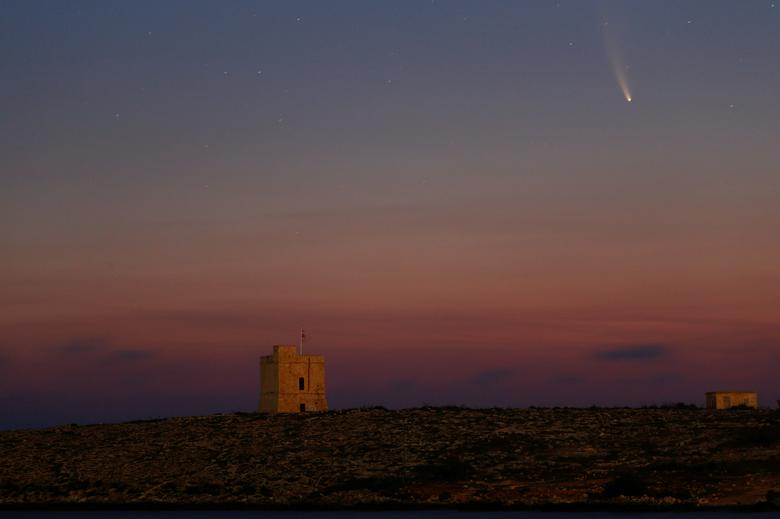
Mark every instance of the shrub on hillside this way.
pixel 446 470
pixel 626 485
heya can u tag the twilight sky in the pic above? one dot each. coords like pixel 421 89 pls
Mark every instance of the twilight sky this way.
pixel 454 198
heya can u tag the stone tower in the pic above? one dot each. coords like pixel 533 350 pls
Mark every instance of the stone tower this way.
pixel 292 383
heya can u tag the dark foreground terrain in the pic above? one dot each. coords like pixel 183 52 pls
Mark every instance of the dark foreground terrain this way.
pixel 600 458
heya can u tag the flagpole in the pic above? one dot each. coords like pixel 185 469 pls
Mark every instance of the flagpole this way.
pixel 301 343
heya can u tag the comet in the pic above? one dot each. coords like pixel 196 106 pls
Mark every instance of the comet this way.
pixel 620 70
pixel 612 33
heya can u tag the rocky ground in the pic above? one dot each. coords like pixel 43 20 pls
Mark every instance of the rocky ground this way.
pixel 415 457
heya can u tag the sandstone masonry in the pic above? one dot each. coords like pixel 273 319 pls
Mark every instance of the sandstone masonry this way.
pixel 292 383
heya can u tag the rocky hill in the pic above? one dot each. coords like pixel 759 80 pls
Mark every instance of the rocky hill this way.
pixel 414 457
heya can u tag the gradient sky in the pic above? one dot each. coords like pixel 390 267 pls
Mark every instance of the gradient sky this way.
pixel 453 197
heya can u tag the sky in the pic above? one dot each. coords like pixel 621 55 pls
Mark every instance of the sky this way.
pixel 490 203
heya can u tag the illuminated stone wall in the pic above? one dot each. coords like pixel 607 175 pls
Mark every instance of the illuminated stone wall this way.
pixel 729 399
pixel 291 383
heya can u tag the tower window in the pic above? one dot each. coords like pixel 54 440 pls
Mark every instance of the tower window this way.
pixel 303 408
pixel 301 384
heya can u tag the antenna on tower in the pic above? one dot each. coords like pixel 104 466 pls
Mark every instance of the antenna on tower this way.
pixel 303 336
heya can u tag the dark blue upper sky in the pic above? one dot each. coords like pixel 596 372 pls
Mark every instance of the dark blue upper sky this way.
pixel 155 82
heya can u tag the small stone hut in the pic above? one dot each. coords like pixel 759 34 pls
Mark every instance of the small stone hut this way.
pixel 291 382
pixel 729 399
